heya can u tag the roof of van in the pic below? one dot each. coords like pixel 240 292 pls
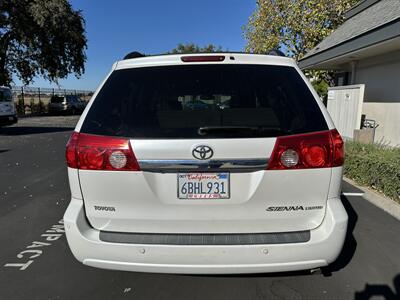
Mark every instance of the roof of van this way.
pixel 230 58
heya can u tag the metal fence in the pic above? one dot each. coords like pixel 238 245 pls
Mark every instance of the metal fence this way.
pixel 33 100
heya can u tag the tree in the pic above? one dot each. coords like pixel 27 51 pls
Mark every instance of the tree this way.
pixel 193 48
pixel 40 37
pixel 293 26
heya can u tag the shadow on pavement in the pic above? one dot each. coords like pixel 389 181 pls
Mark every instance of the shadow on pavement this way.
pixel 349 188
pixel 372 291
pixel 26 130
pixel 350 243
pixel 253 275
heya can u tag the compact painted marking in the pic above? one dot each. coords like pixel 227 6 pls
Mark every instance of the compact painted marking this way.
pixel 34 250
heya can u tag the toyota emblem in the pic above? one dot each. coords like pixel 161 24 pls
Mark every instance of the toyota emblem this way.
pixel 202 152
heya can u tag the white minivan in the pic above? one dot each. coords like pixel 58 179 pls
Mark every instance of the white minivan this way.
pixel 8 114
pixel 205 163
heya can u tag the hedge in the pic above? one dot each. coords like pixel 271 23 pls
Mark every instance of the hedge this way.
pixel 374 165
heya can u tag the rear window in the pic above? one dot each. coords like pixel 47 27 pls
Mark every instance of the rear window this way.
pixel 72 98
pixel 204 101
pixel 5 95
pixel 57 99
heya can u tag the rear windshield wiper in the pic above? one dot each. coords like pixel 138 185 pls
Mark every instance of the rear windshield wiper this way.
pixel 240 129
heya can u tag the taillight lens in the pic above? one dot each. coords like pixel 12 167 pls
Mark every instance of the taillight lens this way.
pixel 313 150
pixel 289 158
pixel 71 155
pixel 92 152
pixel 338 148
pixel 315 156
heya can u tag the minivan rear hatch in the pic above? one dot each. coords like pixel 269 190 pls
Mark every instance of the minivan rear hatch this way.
pixel 170 116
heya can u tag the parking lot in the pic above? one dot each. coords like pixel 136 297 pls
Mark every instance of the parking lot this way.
pixel 36 262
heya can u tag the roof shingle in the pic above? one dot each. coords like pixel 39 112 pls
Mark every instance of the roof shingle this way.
pixel 374 16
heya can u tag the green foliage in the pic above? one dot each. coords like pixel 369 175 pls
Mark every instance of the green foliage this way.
pixel 374 165
pixel 20 106
pixel 41 107
pixel 40 37
pixel 193 48
pixel 321 87
pixel 293 26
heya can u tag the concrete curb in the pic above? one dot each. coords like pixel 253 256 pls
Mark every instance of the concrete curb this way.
pixel 32 116
pixel 384 203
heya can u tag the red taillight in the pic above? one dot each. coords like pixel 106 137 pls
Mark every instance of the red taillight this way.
pixel 71 155
pixel 315 156
pixel 92 152
pixel 338 148
pixel 202 58
pixel 313 150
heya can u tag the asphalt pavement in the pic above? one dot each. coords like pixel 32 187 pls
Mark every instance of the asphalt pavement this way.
pixel 36 263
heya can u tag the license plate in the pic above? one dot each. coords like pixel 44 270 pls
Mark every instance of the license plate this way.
pixel 10 118
pixel 203 186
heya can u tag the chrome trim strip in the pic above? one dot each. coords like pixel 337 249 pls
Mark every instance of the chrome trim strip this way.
pixel 220 165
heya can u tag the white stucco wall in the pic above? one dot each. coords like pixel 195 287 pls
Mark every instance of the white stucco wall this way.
pixel 388 117
pixel 381 76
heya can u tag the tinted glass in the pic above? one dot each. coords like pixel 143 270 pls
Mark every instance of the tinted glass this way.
pixel 5 95
pixel 204 101
pixel 57 99
pixel 72 98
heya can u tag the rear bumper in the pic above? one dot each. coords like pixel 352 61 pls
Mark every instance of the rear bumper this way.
pixel 324 246
pixel 8 120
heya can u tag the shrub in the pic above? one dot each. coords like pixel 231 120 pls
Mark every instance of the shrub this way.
pixel 374 165
pixel 20 106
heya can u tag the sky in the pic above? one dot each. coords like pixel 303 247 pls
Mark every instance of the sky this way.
pixel 115 28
